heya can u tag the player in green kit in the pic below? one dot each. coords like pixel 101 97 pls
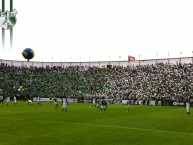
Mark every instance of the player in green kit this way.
pixel 56 103
pixel 103 105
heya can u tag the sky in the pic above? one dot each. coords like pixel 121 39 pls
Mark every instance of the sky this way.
pixel 101 30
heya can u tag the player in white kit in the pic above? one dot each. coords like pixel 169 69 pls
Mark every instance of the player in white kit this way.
pixel 8 100
pixel 188 107
pixel 93 103
pixel 65 104
pixel 15 100
pixel 128 105
pixel 29 102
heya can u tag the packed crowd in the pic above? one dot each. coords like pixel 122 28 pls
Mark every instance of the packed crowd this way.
pixel 145 82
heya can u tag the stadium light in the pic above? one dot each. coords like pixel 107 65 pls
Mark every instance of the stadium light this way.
pixel 7 21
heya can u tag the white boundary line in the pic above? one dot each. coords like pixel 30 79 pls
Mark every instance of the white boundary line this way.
pixel 107 126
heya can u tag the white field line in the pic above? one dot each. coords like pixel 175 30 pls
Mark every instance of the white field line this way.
pixel 119 127
pixel 107 126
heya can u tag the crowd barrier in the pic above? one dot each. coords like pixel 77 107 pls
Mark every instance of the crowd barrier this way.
pixel 58 99
pixel 159 103
pixel 100 64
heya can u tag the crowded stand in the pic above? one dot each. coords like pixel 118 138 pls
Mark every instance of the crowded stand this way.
pixel 160 82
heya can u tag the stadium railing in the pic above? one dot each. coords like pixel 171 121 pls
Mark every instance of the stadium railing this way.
pixel 100 64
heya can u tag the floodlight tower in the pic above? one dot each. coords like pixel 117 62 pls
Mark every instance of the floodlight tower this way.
pixel 7 21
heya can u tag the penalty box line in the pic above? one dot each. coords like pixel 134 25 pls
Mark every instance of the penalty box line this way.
pixel 107 126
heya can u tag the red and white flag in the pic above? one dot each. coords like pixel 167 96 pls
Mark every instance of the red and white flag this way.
pixel 130 58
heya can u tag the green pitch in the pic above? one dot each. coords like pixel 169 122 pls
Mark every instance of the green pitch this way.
pixel 24 124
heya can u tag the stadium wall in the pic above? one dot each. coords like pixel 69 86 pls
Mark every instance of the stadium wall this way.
pixel 100 64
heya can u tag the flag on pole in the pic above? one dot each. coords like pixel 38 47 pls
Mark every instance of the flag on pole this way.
pixel 130 58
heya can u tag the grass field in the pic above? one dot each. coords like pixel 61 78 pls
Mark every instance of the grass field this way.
pixel 24 124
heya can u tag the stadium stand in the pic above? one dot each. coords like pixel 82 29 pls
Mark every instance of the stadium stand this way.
pixel 161 82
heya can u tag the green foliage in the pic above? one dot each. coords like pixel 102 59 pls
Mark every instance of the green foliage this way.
pixel 24 124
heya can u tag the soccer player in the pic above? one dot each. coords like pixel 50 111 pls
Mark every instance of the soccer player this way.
pixel 93 103
pixel 50 99
pixel 8 100
pixel 188 107
pixel 1 99
pixel 29 102
pixel 15 100
pixel 39 101
pixel 103 105
pixel 98 103
pixel 56 103
pixel 65 104
pixel 128 104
